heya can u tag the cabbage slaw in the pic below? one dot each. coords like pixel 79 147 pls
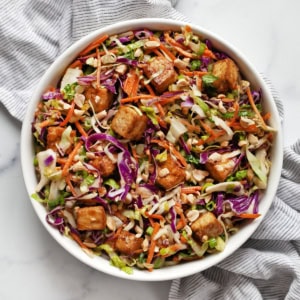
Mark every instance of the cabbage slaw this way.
pixel 178 188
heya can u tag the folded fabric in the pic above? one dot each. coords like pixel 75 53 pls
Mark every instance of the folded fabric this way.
pixel 33 33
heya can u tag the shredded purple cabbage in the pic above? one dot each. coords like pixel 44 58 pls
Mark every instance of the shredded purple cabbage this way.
pixel 143 34
pixel 52 95
pixel 127 61
pixel 48 160
pixel 110 84
pixel 219 203
pixel 188 102
pixel 86 80
pixel 173 219
pixel 242 203
pixel 126 163
pixel 54 220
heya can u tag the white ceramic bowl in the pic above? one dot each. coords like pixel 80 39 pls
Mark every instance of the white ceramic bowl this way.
pixel 52 76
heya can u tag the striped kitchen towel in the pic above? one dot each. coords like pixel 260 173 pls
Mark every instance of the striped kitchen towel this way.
pixel 33 33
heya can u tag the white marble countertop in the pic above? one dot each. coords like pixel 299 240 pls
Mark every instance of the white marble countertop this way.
pixel 32 264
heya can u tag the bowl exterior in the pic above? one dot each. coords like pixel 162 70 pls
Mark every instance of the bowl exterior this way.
pixel 51 78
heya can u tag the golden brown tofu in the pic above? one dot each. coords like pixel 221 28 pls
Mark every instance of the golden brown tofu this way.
pixel 220 170
pixel 228 75
pixel 164 69
pixel 101 98
pixel 127 243
pixel 128 123
pixel 91 218
pixel 169 173
pixel 54 136
pixel 206 225
pixel 104 164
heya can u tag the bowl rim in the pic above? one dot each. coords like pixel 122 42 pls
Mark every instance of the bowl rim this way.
pixel 102 264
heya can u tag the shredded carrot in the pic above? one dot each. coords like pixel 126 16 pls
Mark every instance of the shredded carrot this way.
pixel 199 83
pixel 161 111
pixel 167 51
pixel 162 122
pixel 255 108
pixel 151 222
pixel 61 160
pixel 211 138
pixel 157 52
pixel 172 42
pixel 94 45
pixel 131 83
pixel 191 189
pixel 180 224
pixel 156 227
pixel 98 69
pixel 155 216
pixel 149 88
pixel 236 113
pixel 135 98
pixel 183 220
pixel 189 126
pixel 76 63
pixel 183 239
pixel 267 116
pixel 80 129
pixel 117 233
pixel 188 28
pixel 94 54
pixel 193 73
pixel 249 216
pixel 68 116
pixel 227 100
pixel 184 52
pixel 45 123
pixel 158 105
pixel 172 249
pixel 77 239
pixel 70 185
pixel 70 159
pixel 250 128
pixel 209 53
pixel 208 129
pixel 170 147
pixel 164 100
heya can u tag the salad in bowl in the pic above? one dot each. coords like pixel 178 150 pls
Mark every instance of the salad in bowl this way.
pixel 153 148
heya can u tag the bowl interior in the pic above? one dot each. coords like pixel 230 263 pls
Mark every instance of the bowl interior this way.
pixel 52 76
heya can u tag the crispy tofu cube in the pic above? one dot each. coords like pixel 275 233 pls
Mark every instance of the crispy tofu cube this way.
pixel 127 243
pixel 220 170
pixel 101 98
pixel 162 71
pixel 91 218
pixel 206 225
pixel 54 136
pixel 169 173
pixel 104 164
pixel 228 75
pixel 128 123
